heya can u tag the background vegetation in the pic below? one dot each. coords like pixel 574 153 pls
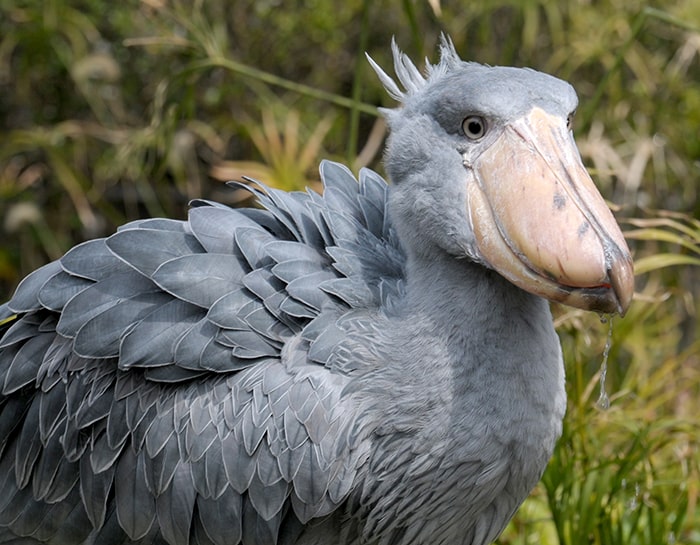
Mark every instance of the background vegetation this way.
pixel 113 111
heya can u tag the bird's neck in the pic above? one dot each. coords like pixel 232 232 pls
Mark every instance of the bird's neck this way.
pixel 484 323
pixel 459 294
pixel 467 336
pixel 474 381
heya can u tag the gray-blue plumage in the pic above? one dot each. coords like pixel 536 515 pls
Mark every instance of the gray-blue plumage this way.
pixel 345 368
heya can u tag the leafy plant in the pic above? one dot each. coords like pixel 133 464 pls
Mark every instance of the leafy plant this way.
pixel 286 162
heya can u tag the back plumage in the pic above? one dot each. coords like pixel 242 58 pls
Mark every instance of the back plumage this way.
pixel 142 381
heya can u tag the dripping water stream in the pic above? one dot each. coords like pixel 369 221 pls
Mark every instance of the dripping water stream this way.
pixel 603 402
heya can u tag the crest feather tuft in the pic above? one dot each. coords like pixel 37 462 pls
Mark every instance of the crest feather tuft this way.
pixel 408 76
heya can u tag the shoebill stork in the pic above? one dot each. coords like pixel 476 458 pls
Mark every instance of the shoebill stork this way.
pixel 374 365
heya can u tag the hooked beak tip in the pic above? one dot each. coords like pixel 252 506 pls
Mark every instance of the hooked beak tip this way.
pixel 621 276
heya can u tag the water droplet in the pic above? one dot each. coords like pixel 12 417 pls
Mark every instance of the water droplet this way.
pixel 603 402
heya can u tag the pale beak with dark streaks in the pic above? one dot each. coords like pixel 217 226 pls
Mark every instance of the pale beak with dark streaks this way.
pixel 540 221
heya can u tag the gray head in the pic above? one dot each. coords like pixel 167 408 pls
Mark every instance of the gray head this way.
pixel 454 89
pixel 485 167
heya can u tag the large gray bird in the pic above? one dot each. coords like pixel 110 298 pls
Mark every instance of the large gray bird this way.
pixel 376 365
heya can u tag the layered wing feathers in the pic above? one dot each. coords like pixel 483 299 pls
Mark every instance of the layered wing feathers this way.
pixel 172 381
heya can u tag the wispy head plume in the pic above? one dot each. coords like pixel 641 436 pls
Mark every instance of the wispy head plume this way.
pixel 409 76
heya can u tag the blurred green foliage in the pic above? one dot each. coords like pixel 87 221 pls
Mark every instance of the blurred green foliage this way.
pixel 114 111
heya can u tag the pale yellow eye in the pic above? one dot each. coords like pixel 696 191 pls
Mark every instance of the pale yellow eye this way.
pixel 474 127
